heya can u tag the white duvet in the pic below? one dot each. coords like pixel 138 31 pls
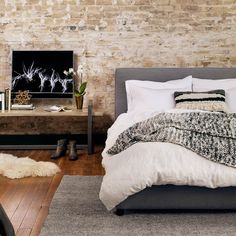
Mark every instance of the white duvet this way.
pixel 154 163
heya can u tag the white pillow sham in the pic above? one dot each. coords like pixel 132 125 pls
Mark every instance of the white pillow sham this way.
pixel 155 96
pixel 229 85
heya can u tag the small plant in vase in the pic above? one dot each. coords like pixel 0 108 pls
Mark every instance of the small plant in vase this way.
pixel 81 91
pixel 79 95
pixel 81 86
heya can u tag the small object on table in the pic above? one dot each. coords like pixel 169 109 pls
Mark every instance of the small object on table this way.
pixel 23 97
pixel 57 108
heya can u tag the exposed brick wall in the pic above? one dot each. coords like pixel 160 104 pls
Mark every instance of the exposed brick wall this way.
pixel 107 34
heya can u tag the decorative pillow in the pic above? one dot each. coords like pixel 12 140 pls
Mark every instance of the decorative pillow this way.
pixel 229 85
pixel 155 96
pixel 208 101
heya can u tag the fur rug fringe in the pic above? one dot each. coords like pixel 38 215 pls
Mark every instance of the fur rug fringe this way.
pixel 16 168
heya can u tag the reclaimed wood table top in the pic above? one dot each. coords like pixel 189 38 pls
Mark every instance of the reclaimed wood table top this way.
pixel 39 111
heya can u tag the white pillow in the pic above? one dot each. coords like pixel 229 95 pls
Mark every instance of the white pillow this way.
pixel 156 96
pixel 229 85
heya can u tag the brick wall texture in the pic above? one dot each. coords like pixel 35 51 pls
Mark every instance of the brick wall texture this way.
pixel 106 34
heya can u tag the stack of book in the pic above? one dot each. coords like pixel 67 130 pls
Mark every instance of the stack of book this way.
pixel 2 101
pixel 22 107
pixel 5 100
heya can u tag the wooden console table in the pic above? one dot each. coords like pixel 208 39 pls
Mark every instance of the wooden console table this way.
pixel 43 126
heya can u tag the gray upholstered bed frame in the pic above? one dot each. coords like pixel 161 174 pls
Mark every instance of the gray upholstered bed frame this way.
pixel 170 197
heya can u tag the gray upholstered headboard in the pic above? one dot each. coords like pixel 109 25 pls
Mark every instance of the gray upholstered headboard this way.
pixel 162 75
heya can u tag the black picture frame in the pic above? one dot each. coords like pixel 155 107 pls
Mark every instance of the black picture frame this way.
pixel 41 72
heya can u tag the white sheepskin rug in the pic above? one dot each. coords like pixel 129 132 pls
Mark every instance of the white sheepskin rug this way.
pixel 15 168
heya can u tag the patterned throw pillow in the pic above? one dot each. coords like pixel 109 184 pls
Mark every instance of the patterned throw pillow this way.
pixel 208 101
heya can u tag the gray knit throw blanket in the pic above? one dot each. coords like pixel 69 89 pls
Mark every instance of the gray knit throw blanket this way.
pixel 211 135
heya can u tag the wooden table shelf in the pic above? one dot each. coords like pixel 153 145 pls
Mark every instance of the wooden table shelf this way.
pixel 76 117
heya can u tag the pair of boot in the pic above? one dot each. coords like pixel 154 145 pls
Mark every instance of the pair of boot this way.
pixel 62 148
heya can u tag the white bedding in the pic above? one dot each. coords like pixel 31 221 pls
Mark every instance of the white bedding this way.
pixel 154 163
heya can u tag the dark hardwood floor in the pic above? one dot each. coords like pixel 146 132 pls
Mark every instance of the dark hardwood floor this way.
pixel 26 201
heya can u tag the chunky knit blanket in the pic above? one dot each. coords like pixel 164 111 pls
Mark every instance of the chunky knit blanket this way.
pixel 211 135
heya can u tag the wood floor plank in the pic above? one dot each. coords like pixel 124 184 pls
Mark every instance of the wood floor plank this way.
pixel 13 203
pixel 45 205
pixel 36 204
pixel 24 205
pixel 4 186
pixel 9 193
pixel 23 232
pixel 42 215
pixel 52 189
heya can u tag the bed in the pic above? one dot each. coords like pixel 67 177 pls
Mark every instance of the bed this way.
pixel 172 197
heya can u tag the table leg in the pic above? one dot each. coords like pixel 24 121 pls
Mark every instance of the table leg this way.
pixel 90 128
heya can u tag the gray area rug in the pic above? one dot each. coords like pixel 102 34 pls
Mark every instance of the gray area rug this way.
pixel 77 210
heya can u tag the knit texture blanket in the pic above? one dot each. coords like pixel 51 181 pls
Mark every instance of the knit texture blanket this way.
pixel 211 135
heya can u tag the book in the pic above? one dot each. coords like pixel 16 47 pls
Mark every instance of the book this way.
pixel 57 108
pixel 22 107
pixel 8 99
pixel 2 101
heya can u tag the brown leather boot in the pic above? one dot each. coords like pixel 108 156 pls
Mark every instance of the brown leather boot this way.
pixel 61 149
pixel 73 152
